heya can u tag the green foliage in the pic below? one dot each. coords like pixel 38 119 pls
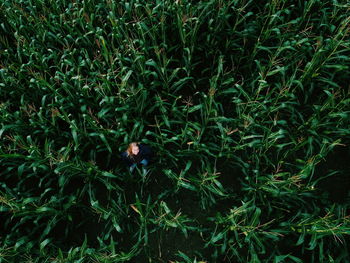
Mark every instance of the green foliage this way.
pixel 246 104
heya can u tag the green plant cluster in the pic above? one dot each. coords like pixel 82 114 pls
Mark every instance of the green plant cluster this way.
pixel 245 103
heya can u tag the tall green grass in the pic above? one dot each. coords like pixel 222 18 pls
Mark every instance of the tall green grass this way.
pixel 245 104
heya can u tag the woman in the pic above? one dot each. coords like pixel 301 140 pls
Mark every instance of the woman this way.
pixel 137 153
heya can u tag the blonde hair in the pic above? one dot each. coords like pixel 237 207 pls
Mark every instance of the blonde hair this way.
pixel 129 150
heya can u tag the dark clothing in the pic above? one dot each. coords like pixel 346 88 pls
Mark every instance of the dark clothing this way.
pixel 145 152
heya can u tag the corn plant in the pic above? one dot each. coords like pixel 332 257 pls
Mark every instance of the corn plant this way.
pixel 244 103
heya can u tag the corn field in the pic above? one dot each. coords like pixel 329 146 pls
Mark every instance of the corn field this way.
pixel 245 103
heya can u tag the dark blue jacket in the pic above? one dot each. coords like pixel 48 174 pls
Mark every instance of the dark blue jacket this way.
pixel 145 152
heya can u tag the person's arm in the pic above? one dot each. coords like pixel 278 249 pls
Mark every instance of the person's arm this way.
pixel 146 151
pixel 126 159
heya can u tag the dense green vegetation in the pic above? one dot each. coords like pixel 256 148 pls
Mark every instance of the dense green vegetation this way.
pixel 246 104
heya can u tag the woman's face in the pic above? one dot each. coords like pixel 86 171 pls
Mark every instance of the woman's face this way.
pixel 135 149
